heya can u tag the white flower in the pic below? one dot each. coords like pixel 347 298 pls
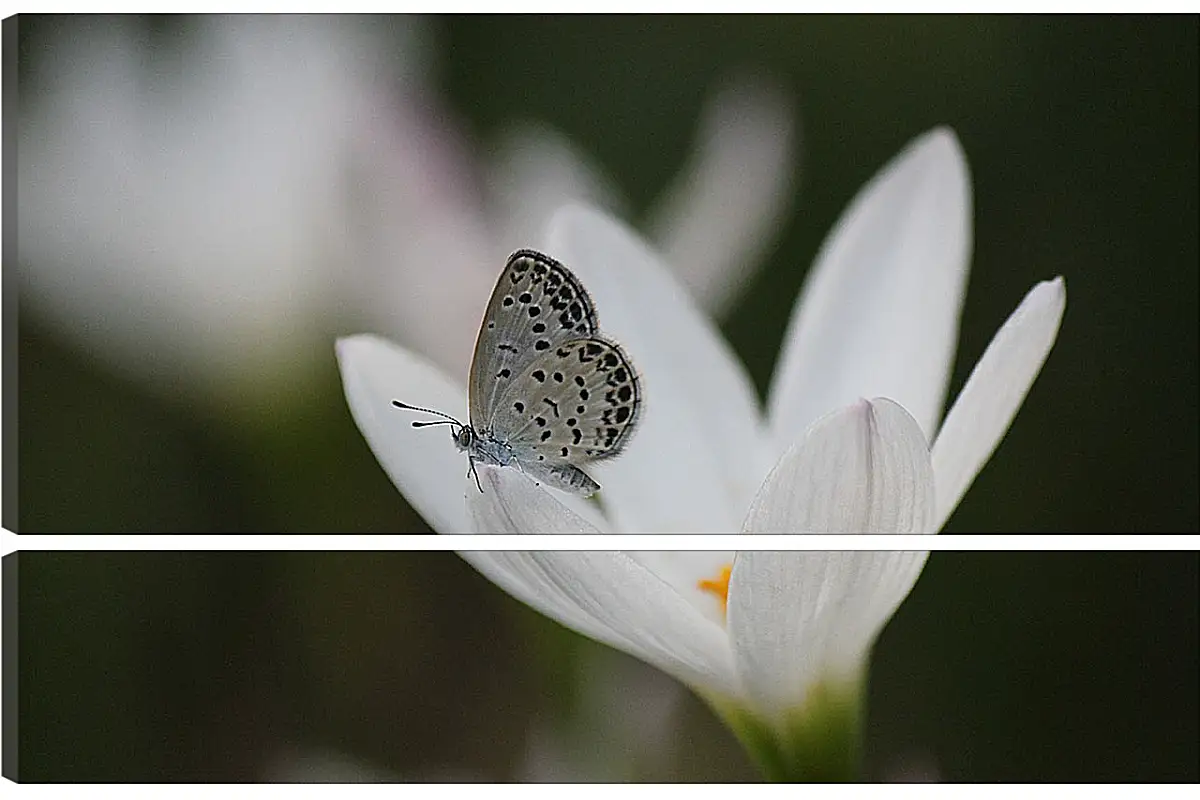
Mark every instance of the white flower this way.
pixel 878 318
pixel 777 643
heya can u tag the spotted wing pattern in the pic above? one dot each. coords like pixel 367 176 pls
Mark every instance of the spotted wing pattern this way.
pixel 577 403
pixel 536 306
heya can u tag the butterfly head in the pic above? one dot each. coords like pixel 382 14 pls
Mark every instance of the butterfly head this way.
pixel 464 436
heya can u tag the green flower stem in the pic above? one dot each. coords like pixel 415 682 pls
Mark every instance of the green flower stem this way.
pixel 818 742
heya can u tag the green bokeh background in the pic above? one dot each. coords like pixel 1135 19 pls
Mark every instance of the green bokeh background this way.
pixel 1081 134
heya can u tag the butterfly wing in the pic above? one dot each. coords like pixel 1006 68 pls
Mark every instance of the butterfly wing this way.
pixel 537 305
pixel 575 404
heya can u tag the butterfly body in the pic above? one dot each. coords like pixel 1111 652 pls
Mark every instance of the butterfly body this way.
pixel 484 448
pixel 548 392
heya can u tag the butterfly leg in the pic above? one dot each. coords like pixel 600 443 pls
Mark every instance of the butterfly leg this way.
pixel 473 473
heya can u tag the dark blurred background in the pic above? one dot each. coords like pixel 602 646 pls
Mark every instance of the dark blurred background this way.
pixel 1081 134
pixel 1036 667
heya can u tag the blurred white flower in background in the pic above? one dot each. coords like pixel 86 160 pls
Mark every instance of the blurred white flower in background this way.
pixel 205 207
pixel 182 198
pixel 442 224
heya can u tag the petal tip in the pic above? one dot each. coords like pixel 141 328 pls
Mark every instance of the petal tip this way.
pixel 342 347
pixel 940 148
pixel 1052 293
pixel 345 346
pixel 576 212
pixel 943 136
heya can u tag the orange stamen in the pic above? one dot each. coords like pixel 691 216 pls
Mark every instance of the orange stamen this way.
pixel 718 586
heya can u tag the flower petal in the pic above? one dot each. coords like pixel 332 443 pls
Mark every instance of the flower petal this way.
pixel 863 469
pixel 535 170
pixel 173 222
pixel 685 569
pixel 511 503
pixel 797 618
pixel 992 394
pixel 713 225
pixel 879 313
pixel 612 598
pixel 696 458
pixel 424 464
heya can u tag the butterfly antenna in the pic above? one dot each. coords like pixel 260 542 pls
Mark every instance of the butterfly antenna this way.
pixel 447 419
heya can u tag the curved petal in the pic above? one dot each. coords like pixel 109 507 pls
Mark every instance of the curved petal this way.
pixel 612 598
pixel 992 394
pixel 424 464
pixel 536 169
pixel 511 503
pixel 714 223
pixel 695 459
pixel 796 618
pixel 863 469
pixel 516 573
pixel 879 313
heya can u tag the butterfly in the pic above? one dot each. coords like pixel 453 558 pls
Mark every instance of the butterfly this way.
pixel 549 394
